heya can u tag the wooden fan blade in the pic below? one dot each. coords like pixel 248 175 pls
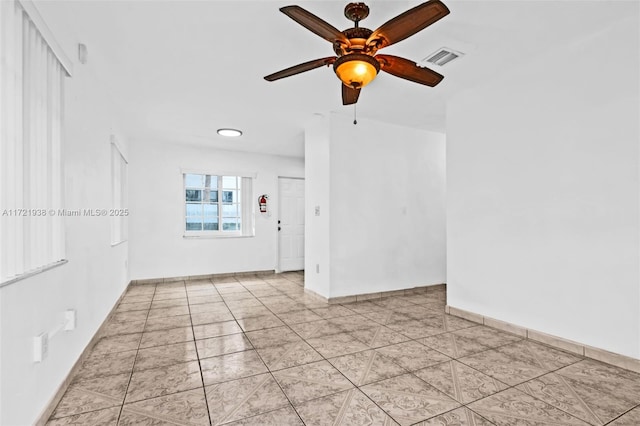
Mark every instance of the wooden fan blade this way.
pixel 315 24
pixel 349 95
pixel 300 68
pixel 408 23
pixel 408 70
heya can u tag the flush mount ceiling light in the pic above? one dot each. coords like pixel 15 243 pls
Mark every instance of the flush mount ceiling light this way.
pixel 230 133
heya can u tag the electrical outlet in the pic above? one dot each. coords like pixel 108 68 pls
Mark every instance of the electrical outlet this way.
pixel 40 347
pixel 70 320
pixel 317 268
pixel 317 210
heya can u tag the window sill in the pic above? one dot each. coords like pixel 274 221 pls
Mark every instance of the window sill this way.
pixel 215 237
pixel 33 273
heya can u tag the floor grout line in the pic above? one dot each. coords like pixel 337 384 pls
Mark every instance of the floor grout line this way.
pixel 204 391
pixel 133 366
pixel 297 302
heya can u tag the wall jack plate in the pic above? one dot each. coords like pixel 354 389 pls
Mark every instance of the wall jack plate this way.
pixel 40 347
pixel 70 319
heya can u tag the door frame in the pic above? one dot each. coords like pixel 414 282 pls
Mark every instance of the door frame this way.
pixel 277 268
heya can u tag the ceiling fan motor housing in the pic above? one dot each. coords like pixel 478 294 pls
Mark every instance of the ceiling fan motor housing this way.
pixel 357 40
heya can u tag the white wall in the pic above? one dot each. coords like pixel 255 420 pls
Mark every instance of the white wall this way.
pixel 158 248
pixel 317 249
pixel 386 206
pixel 95 275
pixel 543 191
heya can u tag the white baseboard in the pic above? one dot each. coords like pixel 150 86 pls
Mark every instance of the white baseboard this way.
pixel 581 349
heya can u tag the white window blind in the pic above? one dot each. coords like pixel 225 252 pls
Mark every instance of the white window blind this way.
pixel 31 105
pixel 119 212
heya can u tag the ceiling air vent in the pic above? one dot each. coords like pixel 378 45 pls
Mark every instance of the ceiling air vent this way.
pixel 442 56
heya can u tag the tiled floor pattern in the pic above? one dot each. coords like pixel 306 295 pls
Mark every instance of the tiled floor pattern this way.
pixel 258 351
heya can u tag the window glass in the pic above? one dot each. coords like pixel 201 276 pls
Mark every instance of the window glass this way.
pixel 230 224
pixel 211 182
pixel 213 203
pixel 193 181
pixel 194 223
pixel 193 195
pixel 229 182
pixel 228 196
pixel 194 209
pixel 210 223
pixel 230 210
pixel 211 210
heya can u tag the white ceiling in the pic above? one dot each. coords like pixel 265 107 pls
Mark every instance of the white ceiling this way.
pixel 179 70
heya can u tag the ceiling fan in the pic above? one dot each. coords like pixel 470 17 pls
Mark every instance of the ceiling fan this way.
pixel 357 62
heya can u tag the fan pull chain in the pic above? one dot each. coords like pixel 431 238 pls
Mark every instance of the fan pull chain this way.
pixel 355 121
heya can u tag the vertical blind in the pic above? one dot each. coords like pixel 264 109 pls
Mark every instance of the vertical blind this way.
pixel 119 211
pixel 31 94
pixel 248 223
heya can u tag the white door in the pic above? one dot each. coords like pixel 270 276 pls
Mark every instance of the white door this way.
pixel 291 224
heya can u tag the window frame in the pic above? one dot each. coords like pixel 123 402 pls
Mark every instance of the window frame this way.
pixel 246 213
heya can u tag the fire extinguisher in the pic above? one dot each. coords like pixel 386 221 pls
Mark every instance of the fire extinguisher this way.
pixel 262 202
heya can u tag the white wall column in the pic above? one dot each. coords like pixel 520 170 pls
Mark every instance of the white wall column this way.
pixel 380 189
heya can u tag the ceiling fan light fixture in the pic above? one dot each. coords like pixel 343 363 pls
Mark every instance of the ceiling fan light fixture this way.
pixel 357 62
pixel 356 70
pixel 230 133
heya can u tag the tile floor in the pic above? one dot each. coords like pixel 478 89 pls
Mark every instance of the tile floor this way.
pixel 258 351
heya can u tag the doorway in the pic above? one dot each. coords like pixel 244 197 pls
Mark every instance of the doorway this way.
pixel 291 224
